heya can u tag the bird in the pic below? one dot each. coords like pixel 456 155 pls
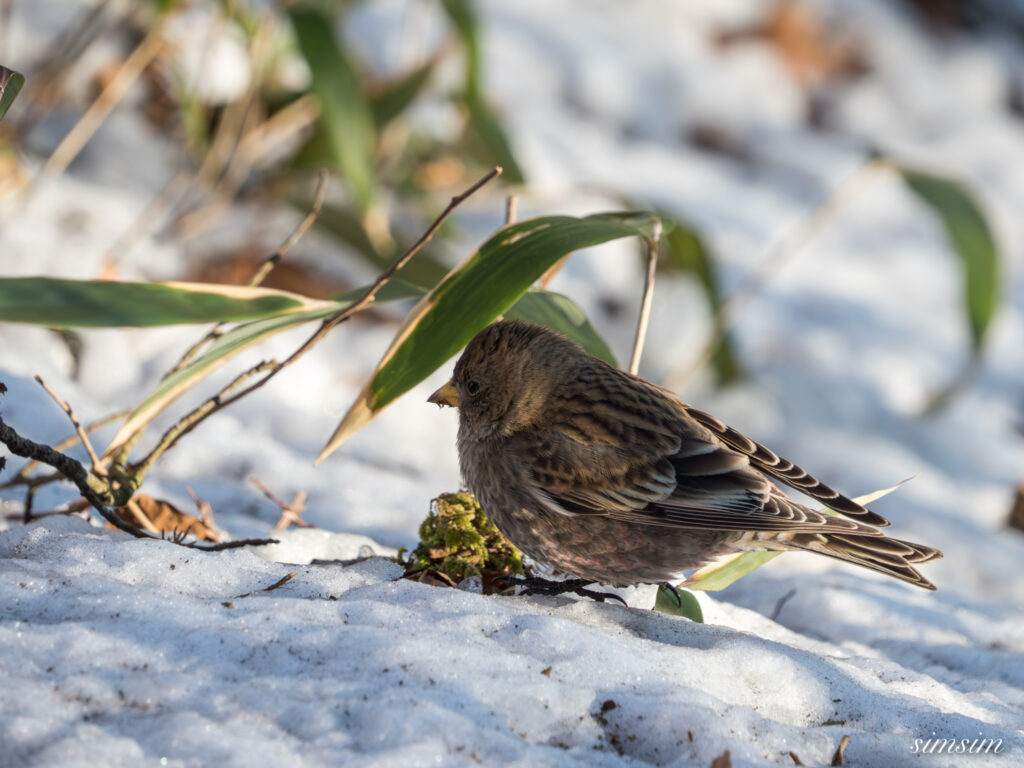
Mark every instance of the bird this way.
pixel 600 476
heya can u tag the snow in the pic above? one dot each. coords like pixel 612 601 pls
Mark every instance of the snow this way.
pixel 117 651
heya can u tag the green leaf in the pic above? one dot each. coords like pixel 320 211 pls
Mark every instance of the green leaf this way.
pixel 492 145
pixel 722 576
pixel 108 304
pixel 388 100
pixel 10 85
pixel 472 295
pixel 230 343
pixel 678 602
pixel 687 252
pixel 487 136
pixel 562 314
pixel 971 238
pixel 344 114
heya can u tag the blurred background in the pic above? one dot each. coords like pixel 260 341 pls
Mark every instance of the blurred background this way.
pixel 845 283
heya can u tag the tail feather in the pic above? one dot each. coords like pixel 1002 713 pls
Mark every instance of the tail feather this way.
pixel 892 557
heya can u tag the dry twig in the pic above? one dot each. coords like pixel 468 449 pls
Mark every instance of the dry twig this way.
pixel 645 302
pixel 271 368
pixel 82 435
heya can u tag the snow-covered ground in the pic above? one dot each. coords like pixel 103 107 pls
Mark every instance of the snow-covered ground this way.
pixel 116 651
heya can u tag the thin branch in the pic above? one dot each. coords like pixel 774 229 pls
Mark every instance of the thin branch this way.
pixel 264 270
pixel 220 401
pixel 511 206
pixel 144 522
pixel 203 507
pixel 189 422
pixel 645 302
pixel 291 513
pixel 276 585
pixel 109 97
pixel 74 420
pixel 294 237
pixel 96 490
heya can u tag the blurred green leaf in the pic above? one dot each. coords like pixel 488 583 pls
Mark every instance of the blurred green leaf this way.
pixel 678 603
pixel 722 576
pixel 492 145
pixel 686 251
pixel 389 100
pixel 486 134
pixel 484 286
pixel 344 114
pixel 107 304
pixel 564 315
pixel 10 85
pixel 971 238
pixel 233 341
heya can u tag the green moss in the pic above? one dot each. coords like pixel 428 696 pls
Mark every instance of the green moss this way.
pixel 458 540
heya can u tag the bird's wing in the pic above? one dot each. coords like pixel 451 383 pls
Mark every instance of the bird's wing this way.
pixel 785 471
pixel 645 460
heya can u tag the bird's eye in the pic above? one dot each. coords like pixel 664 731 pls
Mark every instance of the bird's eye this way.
pixel 472 386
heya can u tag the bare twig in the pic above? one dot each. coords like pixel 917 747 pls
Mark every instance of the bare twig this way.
pixel 294 237
pixel 99 491
pixel 146 221
pixel 144 522
pixel 221 400
pixel 95 489
pixel 645 302
pixel 109 97
pixel 78 425
pixel 276 585
pixel 190 421
pixel 511 204
pixel 203 507
pixel 272 261
pixel 291 513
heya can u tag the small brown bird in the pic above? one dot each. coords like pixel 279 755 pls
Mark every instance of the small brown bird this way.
pixel 605 477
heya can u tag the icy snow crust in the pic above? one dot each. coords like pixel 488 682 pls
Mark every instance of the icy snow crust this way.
pixel 115 651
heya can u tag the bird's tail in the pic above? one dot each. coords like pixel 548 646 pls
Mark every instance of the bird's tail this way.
pixel 893 557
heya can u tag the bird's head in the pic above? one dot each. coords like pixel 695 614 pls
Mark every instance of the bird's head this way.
pixel 504 377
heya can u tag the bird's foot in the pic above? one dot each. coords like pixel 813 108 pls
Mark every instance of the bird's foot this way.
pixel 538 586
pixel 674 592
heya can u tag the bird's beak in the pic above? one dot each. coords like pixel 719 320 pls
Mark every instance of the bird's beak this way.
pixel 446 395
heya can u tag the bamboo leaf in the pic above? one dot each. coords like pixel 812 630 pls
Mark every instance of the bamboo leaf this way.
pixel 230 343
pixel 971 237
pixel 104 304
pixel 562 314
pixel 344 114
pixel 484 286
pixel 686 251
pixel 492 146
pixel 10 84
pixel 678 602
pixel 388 100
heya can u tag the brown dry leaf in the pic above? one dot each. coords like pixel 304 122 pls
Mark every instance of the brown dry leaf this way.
pixel 164 517
pixel 837 758
pixel 811 52
pixel 722 761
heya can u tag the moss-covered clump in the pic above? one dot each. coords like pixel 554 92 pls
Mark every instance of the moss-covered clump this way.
pixel 459 541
